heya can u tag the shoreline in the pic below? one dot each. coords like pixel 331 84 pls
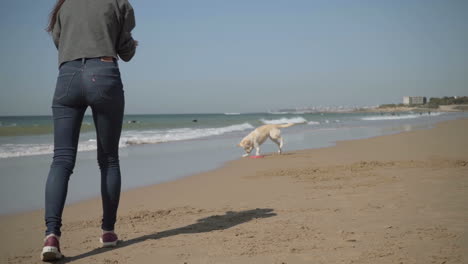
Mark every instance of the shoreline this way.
pixel 390 198
pixel 220 165
pixel 215 165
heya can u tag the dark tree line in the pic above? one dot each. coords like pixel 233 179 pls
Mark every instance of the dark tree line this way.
pixel 435 102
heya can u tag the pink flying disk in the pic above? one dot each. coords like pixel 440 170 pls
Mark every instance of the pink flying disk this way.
pixel 257 157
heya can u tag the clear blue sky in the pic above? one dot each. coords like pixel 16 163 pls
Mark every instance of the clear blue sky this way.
pixel 255 55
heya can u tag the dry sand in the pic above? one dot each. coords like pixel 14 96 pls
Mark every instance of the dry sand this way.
pixel 392 199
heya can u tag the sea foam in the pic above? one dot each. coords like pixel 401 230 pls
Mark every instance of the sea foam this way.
pixel 313 123
pixel 128 138
pixel 284 120
pixel 154 137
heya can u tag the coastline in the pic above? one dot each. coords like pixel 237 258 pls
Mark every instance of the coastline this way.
pixel 148 164
pixel 274 209
pixel 400 109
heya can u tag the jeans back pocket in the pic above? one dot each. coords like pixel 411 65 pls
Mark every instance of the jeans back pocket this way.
pixel 109 86
pixel 63 85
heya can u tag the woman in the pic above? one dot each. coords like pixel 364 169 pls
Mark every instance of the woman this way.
pixel 90 36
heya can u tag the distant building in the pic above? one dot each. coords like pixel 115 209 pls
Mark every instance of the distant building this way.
pixel 414 100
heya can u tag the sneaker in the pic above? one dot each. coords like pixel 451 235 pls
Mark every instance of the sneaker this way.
pixel 51 249
pixel 109 239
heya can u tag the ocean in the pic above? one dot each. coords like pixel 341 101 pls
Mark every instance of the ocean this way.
pixel 159 148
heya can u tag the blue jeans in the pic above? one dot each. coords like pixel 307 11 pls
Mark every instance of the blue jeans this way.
pixel 83 83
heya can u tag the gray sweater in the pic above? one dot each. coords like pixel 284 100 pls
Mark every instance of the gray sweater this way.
pixel 94 28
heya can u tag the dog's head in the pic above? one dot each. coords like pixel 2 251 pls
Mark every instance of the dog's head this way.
pixel 246 144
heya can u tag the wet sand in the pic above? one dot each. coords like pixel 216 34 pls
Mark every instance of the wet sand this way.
pixel 391 199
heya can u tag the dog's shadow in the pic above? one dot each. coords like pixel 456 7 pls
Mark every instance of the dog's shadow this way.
pixel 203 225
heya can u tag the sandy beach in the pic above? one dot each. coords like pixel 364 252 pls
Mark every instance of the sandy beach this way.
pixel 391 199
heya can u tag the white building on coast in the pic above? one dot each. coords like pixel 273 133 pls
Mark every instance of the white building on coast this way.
pixel 414 100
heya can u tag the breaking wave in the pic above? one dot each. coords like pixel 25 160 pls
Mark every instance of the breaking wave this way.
pixel 128 138
pixel 284 120
pixel 154 137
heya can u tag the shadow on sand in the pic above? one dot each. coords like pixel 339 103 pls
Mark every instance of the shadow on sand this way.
pixel 207 224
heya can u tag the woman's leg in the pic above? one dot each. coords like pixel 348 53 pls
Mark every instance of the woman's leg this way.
pixel 67 124
pixel 108 117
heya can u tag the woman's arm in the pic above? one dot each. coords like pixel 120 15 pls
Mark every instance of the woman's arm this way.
pixel 126 44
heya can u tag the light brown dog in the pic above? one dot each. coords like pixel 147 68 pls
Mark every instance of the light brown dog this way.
pixel 255 138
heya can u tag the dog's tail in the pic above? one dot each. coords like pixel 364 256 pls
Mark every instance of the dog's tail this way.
pixel 289 125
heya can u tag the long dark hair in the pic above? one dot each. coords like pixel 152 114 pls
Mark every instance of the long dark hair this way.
pixel 53 15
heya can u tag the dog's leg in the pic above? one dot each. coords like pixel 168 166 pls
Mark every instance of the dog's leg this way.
pixel 257 147
pixel 281 145
pixel 279 142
